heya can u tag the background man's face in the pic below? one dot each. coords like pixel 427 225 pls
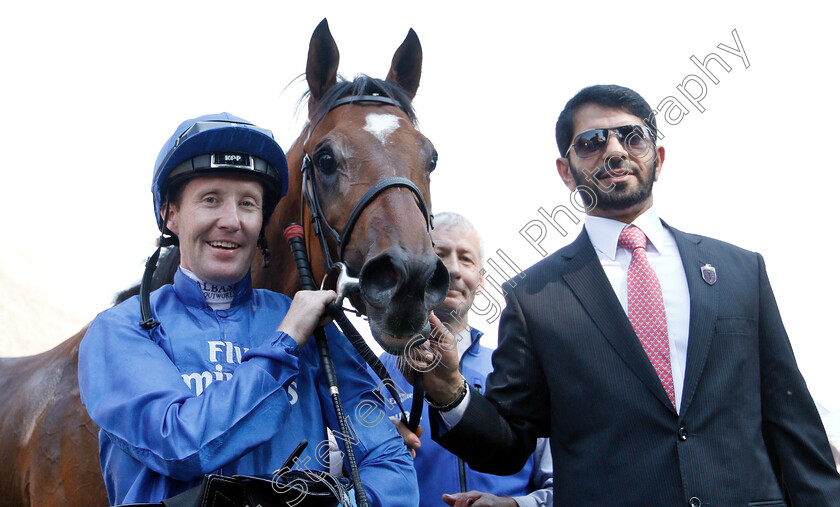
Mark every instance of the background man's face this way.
pixel 218 222
pixel 459 250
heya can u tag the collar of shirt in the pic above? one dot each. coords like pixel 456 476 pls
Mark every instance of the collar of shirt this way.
pixel 190 292
pixel 604 232
pixel 463 340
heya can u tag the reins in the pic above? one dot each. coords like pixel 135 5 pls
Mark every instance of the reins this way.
pixel 322 228
pixel 295 235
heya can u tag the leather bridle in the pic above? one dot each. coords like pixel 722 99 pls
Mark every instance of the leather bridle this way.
pixel 309 198
pixel 310 194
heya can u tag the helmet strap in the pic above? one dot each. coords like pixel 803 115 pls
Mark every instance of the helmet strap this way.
pixel 167 237
pixel 146 320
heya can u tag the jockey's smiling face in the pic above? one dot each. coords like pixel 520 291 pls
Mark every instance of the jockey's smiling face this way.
pixel 218 221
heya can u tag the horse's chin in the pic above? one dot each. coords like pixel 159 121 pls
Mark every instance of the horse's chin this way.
pixel 398 344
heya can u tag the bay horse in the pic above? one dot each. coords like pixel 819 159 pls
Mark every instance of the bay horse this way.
pixel 359 133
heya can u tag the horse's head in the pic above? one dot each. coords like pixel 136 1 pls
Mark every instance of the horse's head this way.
pixel 365 168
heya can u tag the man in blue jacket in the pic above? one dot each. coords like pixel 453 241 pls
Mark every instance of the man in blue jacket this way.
pixel 441 474
pixel 217 377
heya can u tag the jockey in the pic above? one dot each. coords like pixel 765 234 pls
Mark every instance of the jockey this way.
pixel 213 376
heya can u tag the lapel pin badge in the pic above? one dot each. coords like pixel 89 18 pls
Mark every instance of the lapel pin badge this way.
pixel 709 274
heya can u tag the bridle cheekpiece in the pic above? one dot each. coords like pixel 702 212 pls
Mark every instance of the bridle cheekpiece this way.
pixel 310 195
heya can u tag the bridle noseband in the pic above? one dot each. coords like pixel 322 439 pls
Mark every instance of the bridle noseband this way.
pixel 311 200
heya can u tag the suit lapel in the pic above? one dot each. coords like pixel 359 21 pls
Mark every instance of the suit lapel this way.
pixel 586 278
pixel 703 310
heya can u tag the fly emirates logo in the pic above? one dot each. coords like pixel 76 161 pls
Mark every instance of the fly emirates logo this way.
pixel 220 353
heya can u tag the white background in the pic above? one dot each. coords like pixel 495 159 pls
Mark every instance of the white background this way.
pixel 90 91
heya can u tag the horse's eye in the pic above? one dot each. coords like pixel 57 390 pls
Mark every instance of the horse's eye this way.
pixel 433 161
pixel 325 162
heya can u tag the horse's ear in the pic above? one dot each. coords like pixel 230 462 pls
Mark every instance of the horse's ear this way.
pixel 406 64
pixel 322 63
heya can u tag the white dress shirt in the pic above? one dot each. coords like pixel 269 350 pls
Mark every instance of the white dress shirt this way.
pixel 664 258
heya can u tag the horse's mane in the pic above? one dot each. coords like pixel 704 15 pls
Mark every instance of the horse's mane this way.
pixel 360 85
pixel 164 274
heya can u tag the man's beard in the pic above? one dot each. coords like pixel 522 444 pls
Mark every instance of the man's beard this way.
pixel 619 196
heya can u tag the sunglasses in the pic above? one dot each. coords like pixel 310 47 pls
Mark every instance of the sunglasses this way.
pixel 636 139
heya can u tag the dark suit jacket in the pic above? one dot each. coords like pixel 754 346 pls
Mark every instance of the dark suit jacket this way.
pixel 570 366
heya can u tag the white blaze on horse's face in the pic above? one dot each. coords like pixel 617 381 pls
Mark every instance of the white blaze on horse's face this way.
pixel 382 125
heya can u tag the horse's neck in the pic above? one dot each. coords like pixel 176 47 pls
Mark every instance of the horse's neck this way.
pixel 281 274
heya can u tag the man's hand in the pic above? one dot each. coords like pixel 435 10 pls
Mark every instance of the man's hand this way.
pixel 411 439
pixel 437 361
pixel 478 499
pixel 308 311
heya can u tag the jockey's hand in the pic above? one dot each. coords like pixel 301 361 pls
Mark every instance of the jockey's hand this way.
pixel 308 311
pixel 411 439
pixel 478 499
pixel 437 361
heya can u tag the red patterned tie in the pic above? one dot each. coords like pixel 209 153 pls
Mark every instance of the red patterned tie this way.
pixel 646 308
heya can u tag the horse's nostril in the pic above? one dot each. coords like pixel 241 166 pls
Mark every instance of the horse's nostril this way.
pixel 398 282
pixel 437 286
pixel 380 278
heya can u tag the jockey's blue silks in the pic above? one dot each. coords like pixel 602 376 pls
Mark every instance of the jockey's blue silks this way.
pixel 261 395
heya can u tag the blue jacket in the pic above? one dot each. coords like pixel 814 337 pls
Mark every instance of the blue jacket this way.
pixel 223 392
pixel 438 470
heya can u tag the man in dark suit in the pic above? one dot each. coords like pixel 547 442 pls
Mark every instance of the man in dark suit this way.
pixel 655 360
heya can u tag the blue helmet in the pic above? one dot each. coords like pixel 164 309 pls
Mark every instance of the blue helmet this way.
pixel 220 143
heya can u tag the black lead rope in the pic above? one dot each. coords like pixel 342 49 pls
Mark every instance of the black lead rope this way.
pixel 375 364
pixel 416 403
pixel 309 198
pixel 361 346
pixel 353 335
pixel 294 235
